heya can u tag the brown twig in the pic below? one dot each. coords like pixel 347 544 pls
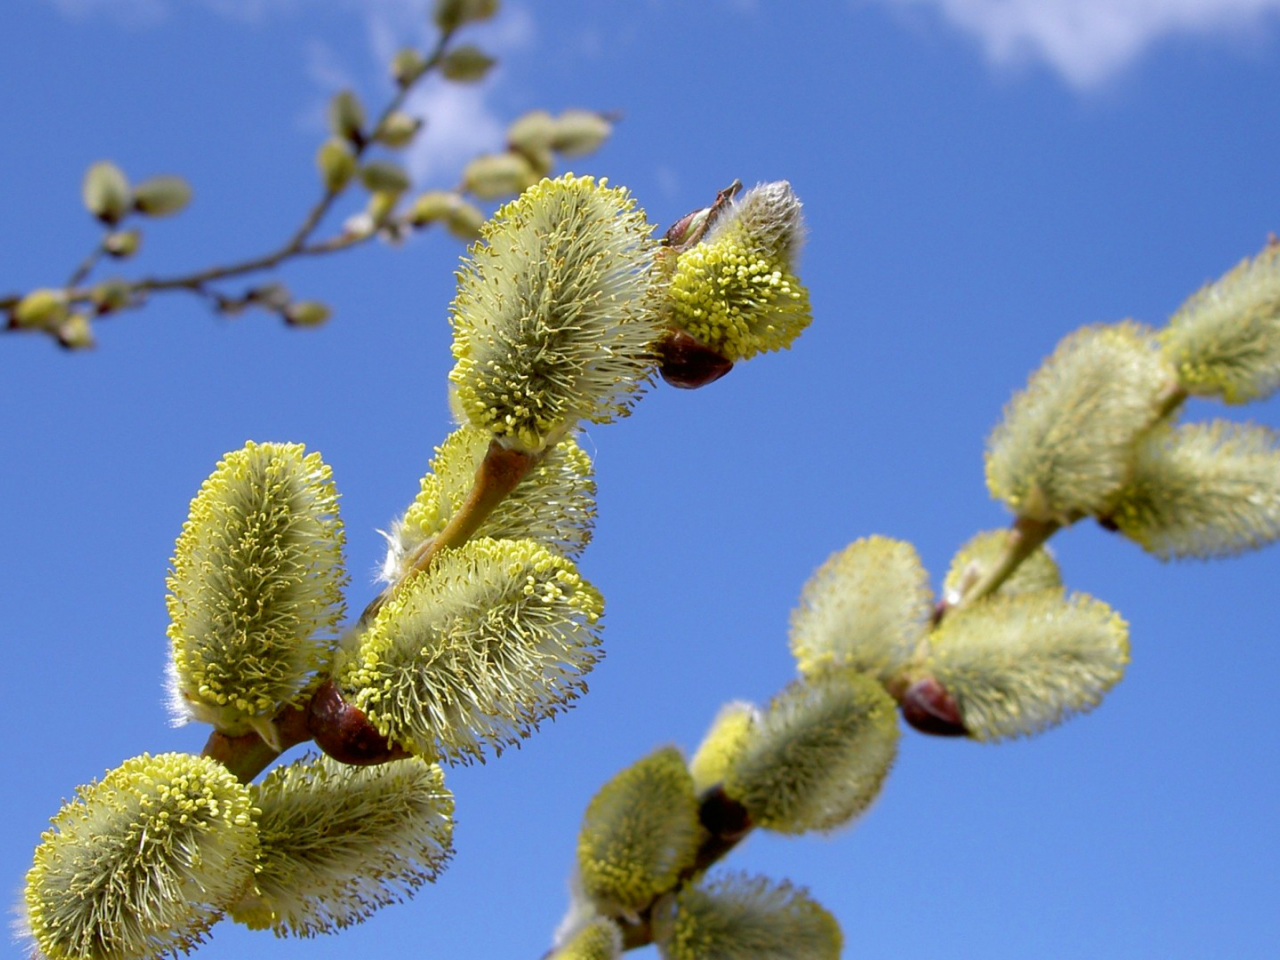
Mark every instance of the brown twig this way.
pixel 299 243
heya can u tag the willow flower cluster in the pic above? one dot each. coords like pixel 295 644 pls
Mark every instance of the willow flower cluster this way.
pixel 485 629
pixel 736 291
pixel 1005 650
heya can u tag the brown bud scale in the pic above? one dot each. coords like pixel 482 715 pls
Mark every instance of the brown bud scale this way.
pixel 688 363
pixel 928 707
pixel 342 730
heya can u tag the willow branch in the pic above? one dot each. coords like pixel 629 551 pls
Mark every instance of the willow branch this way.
pixel 297 245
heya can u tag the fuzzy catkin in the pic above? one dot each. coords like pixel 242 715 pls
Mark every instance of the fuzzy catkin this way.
pixel 141 863
pixel 638 833
pixel 1065 445
pixel 1203 490
pixel 553 322
pixel 339 842
pixel 867 608
pixel 255 594
pixel 818 755
pixel 1017 665
pixel 1225 340
pixel 474 652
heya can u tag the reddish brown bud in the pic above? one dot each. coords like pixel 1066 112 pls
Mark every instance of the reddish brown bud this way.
pixel 928 707
pixel 722 816
pixel 343 731
pixel 688 363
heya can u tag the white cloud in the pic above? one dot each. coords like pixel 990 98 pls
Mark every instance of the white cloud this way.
pixel 1090 41
pixel 460 124
pixel 461 120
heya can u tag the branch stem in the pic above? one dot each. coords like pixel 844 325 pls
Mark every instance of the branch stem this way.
pixel 299 243
pixel 498 473
pixel 1022 540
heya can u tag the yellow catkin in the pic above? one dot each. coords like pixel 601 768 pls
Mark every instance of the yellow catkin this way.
pixel 638 833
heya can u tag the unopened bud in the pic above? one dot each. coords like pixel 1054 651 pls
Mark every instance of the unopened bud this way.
pixel 41 309
pixel 383 176
pixel 407 66
pixel 122 243
pixel 161 196
pixel 688 230
pixel 579 131
pixel 432 206
pixel 692 227
pixel 451 14
pixel 533 131
pixel 688 363
pixel 307 313
pixel 344 732
pixel 540 159
pixel 497 175
pixel 110 295
pixel 382 203
pixel 346 116
pixel 464 221
pixel 466 64
pixel 337 164
pixel 75 333
pixel 929 708
pixel 399 129
pixel 106 192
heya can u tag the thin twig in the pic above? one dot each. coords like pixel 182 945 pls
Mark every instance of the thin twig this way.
pixel 298 243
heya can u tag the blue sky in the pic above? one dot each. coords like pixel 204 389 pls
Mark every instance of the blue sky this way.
pixel 980 178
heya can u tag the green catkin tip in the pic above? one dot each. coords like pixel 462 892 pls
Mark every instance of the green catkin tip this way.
pixel 255 592
pixel 578 132
pixel 601 939
pixel 346 115
pixel 161 196
pixel 818 755
pixel 466 64
pixel 106 192
pixel 532 131
pixel 737 917
pixel 44 308
pixel 867 608
pixel 493 176
pixel 1017 665
pixel 1039 571
pixel 1065 445
pixel 723 743
pixel 1203 490
pixel 493 638
pixel 553 504
pixel 1225 340
pixel 337 163
pixel 553 321
pixel 639 833
pixel 384 176
pixel 451 14
pixel 142 863
pixel 339 842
